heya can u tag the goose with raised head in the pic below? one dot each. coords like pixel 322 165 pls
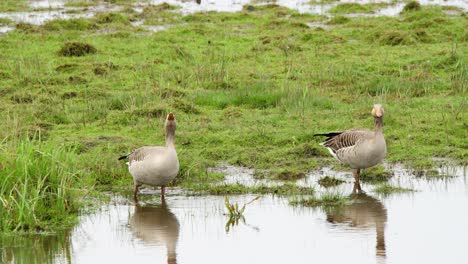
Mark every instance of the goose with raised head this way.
pixel 359 148
pixel 155 165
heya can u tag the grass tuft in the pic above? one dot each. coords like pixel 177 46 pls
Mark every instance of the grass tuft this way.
pixel 325 200
pixel 412 6
pixel 77 49
pixel 37 187
pixel 375 174
pixel 328 181
pixel 387 188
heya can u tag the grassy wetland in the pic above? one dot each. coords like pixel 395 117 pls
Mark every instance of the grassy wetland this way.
pixel 249 88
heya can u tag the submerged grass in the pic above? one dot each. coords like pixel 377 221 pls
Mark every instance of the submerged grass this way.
pixel 387 188
pixel 328 181
pixel 375 174
pixel 325 200
pixel 284 189
pixel 248 88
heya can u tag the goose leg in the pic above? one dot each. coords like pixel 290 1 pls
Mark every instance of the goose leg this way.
pixel 135 191
pixel 163 191
pixel 357 188
pixel 356 173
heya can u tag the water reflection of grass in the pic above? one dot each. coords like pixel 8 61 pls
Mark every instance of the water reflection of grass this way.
pixel 32 248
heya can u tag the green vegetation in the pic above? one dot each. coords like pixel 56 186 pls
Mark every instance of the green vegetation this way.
pixel 81 3
pixel 235 213
pixel 412 6
pixel 248 88
pixel 350 8
pixel 284 189
pixel 37 181
pixel 328 181
pixel 13 5
pixel 71 49
pixel 325 200
pixel 387 188
pixel 375 174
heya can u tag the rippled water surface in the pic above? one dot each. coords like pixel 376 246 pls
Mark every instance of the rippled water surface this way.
pixel 427 226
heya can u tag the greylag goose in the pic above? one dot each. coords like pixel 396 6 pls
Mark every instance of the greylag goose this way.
pixel 156 226
pixel 364 212
pixel 155 165
pixel 358 148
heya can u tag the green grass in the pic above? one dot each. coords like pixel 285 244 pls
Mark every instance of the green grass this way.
pixel 37 181
pixel 387 188
pixel 247 88
pixel 284 189
pixel 375 174
pixel 350 8
pixel 13 5
pixel 325 200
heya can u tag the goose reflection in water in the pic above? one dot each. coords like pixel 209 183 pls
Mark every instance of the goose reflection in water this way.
pixel 362 213
pixel 156 225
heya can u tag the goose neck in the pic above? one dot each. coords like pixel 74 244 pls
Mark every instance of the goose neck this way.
pixel 378 124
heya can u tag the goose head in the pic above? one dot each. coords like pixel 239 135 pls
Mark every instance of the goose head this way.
pixel 377 111
pixel 170 124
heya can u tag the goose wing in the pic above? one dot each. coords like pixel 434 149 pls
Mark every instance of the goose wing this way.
pixel 344 139
pixel 142 153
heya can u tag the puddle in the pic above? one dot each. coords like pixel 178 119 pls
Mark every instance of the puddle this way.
pixel 57 12
pixel 241 175
pixel 152 28
pixel 5 29
pixel 428 226
pixel 46 4
pixel 318 25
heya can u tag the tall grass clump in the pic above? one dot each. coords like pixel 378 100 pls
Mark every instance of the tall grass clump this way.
pixel 36 186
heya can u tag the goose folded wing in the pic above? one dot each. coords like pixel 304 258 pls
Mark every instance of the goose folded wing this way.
pixel 348 138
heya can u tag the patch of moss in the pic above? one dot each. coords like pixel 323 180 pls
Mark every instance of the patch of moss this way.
pixel 77 49
pixel 412 6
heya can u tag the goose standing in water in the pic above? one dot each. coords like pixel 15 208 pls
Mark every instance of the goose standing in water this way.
pixel 359 148
pixel 155 165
